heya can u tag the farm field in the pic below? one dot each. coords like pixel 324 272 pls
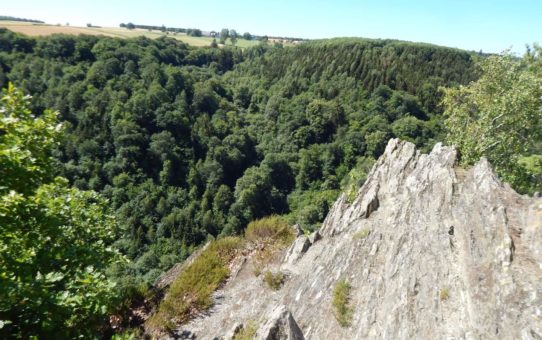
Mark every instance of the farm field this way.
pixel 33 29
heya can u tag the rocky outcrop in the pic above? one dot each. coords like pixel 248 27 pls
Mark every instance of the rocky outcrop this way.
pixel 429 250
pixel 281 325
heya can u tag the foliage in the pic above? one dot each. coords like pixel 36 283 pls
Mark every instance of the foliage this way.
pixel 272 230
pixel 55 241
pixel 499 116
pixel 189 144
pixel 273 280
pixel 191 292
pixel 341 303
pixel 248 332
pixel 356 177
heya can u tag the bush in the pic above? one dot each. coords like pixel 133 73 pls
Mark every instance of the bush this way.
pixel 271 229
pixel 191 292
pixel 274 281
pixel 341 303
pixel 270 234
pixel 55 241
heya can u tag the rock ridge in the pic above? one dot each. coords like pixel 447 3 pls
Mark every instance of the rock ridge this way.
pixel 430 251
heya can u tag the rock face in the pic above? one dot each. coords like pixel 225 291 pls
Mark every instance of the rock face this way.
pixel 281 325
pixel 430 251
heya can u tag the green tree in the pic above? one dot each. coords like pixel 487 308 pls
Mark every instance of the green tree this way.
pixel 247 36
pixel 500 115
pixel 54 240
pixel 224 35
pixel 233 37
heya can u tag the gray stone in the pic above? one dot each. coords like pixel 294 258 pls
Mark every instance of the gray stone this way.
pixel 315 237
pixel 297 249
pixel 280 326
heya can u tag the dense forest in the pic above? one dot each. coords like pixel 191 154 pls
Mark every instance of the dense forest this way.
pixel 191 144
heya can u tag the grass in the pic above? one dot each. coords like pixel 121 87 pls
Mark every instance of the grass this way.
pixel 274 281
pixel 191 292
pixel 361 234
pixel 341 303
pixel 272 229
pixel 444 294
pixel 268 235
pixel 248 332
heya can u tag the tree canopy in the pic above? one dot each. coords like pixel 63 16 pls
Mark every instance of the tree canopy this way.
pixel 499 116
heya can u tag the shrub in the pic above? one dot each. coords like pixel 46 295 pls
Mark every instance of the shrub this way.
pixel 274 281
pixel 191 292
pixel 272 229
pixel 341 303
pixel 270 234
pixel 246 333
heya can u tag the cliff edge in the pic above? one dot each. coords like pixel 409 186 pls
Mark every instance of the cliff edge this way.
pixel 429 250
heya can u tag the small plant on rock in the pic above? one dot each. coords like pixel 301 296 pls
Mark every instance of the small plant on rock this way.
pixel 361 234
pixel 341 303
pixel 273 280
pixel 248 332
pixel 444 294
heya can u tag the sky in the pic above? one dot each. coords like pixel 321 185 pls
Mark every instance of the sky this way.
pixel 490 26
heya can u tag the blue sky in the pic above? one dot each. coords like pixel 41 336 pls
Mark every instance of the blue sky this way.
pixel 491 26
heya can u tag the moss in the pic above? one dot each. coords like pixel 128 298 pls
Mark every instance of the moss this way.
pixel 341 303
pixel 444 294
pixel 191 292
pixel 273 280
pixel 361 234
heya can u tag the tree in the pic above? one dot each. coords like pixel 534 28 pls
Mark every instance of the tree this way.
pixel 194 32
pixel 233 37
pixel 130 26
pixel 500 115
pixel 224 35
pixel 247 36
pixel 55 241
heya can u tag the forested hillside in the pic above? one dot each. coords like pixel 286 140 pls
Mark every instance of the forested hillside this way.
pixel 191 143
pixel 188 144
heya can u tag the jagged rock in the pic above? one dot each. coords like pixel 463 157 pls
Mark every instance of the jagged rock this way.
pixel 451 254
pixel 298 231
pixel 233 331
pixel 297 249
pixel 280 326
pixel 315 237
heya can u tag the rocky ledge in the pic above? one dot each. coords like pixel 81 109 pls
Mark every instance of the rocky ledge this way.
pixel 429 250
